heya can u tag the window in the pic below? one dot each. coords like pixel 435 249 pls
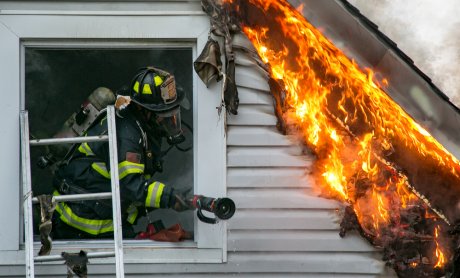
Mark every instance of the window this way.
pixel 26 35
pixel 57 81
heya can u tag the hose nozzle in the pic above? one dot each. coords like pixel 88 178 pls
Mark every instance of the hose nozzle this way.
pixel 223 208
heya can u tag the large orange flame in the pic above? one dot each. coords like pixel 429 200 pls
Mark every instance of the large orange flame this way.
pixel 346 118
pixel 439 254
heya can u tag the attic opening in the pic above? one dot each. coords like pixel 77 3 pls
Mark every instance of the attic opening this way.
pixel 58 80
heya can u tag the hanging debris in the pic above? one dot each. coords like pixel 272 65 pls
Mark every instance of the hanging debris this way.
pixel 223 25
pixel 47 207
pixel 208 65
pixel 76 264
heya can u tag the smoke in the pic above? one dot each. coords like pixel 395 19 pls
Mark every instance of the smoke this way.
pixel 428 31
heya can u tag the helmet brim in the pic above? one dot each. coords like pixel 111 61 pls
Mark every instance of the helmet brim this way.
pixel 180 100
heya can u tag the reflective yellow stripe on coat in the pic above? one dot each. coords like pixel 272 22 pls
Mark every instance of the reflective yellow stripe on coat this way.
pixel 85 149
pixel 124 168
pixel 101 168
pixel 154 193
pixel 90 226
pixel 132 214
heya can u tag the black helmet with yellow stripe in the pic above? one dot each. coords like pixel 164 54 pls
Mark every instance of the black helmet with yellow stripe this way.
pixel 155 90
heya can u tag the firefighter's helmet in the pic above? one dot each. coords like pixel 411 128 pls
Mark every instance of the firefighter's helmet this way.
pixel 155 90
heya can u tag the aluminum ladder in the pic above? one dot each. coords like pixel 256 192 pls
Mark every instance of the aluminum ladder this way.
pixel 28 199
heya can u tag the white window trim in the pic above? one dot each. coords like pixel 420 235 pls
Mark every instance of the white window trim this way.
pixel 116 30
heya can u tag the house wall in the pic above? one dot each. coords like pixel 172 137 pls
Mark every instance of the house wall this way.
pixel 281 228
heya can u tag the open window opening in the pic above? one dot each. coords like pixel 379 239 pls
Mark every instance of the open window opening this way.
pixel 55 30
pixel 58 81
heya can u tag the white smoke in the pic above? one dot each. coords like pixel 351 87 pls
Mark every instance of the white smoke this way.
pixel 428 31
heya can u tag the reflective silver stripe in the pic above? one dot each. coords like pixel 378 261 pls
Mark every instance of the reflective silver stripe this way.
pixel 91 226
pixel 101 168
pixel 84 148
pixel 152 192
pixel 125 168
pixel 132 213
pixel 130 167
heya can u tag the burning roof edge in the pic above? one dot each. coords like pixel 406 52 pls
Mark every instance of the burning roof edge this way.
pixel 390 43
pixel 410 87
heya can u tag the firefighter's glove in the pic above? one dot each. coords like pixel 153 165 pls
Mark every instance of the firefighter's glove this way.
pixel 173 199
pixel 180 203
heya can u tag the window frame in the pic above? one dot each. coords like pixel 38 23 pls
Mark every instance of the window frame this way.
pixel 114 31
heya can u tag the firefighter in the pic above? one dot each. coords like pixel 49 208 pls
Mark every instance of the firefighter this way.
pixel 152 115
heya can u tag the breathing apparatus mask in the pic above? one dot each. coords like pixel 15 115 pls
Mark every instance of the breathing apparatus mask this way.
pixel 169 123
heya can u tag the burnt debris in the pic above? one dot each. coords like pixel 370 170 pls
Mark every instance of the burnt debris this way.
pixel 224 25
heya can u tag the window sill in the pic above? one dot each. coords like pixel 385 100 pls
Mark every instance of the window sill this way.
pixel 108 244
pixel 135 252
pixel 144 251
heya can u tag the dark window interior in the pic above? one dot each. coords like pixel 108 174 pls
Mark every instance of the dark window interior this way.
pixel 57 81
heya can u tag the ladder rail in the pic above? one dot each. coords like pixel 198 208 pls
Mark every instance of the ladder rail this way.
pixel 27 195
pixel 115 183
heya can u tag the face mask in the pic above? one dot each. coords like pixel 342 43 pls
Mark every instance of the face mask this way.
pixel 170 123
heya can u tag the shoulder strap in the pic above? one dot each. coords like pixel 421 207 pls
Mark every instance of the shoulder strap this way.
pixel 70 153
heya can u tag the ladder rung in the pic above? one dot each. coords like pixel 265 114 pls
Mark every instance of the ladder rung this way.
pixel 117 252
pixel 52 258
pixel 55 141
pixel 79 197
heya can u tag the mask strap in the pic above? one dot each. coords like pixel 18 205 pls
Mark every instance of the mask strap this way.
pixel 191 132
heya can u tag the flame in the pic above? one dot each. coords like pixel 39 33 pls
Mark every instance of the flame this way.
pixel 300 8
pixel 307 93
pixel 345 117
pixel 439 254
